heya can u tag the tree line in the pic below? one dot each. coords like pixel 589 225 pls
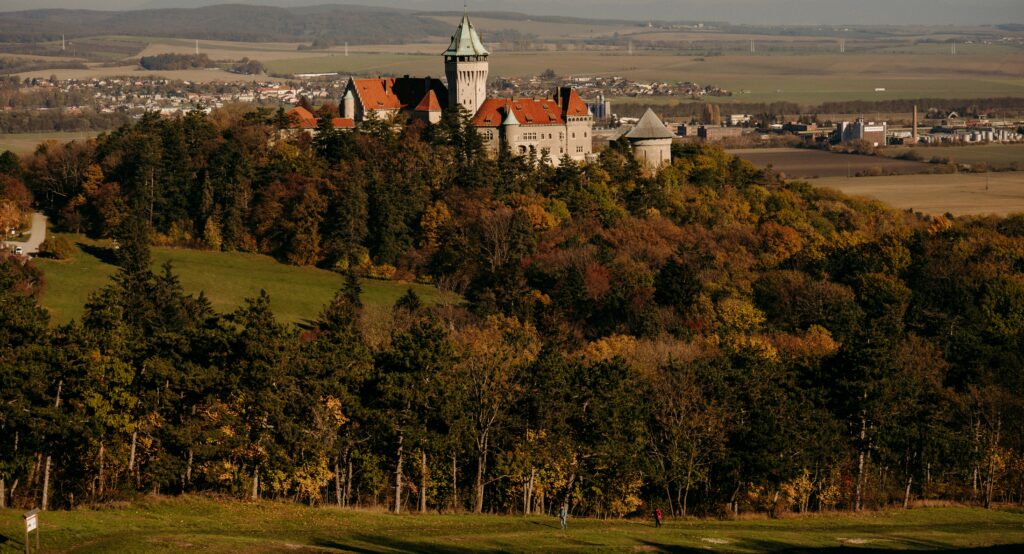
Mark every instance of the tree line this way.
pixel 709 339
pixel 773 112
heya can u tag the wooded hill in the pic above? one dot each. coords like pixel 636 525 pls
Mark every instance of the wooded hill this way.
pixel 709 340
pixel 227 22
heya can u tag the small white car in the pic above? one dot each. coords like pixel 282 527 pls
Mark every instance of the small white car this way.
pixel 18 250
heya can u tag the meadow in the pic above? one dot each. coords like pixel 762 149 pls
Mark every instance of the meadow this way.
pixel 24 143
pixel 956 193
pixel 996 156
pixel 160 524
pixel 297 294
pixel 808 164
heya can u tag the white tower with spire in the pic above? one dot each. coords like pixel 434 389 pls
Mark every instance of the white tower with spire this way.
pixel 466 66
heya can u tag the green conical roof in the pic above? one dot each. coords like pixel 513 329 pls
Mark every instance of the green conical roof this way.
pixel 465 41
pixel 510 119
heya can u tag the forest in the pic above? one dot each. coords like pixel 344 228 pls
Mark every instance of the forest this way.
pixel 708 339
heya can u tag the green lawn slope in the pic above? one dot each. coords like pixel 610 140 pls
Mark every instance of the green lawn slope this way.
pixel 297 294
pixel 202 524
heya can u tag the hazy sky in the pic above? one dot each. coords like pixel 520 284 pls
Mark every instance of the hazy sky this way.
pixel 736 11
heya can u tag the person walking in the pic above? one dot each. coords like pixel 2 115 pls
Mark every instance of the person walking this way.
pixel 657 517
pixel 563 514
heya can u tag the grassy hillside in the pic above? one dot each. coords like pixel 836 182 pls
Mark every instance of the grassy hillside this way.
pixel 297 293
pixel 195 523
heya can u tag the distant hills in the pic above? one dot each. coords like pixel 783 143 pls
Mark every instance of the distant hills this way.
pixel 328 23
pixel 749 12
pixel 322 25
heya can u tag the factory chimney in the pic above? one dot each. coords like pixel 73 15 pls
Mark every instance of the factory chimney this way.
pixel 915 124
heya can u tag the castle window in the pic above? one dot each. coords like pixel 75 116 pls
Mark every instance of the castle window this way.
pixel 579 149
pixel 574 135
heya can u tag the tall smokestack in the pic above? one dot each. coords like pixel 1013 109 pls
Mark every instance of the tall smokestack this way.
pixel 915 123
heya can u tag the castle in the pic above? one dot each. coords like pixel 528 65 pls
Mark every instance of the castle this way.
pixel 545 127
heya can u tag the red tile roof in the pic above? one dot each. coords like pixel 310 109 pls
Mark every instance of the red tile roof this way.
pixel 377 94
pixel 532 111
pixel 343 123
pixel 572 104
pixel 528 111
pixel 389 93
pixel 301 118
pixel 429 103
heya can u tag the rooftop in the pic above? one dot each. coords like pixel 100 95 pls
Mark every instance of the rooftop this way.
pixel 465 41
pixel 649 127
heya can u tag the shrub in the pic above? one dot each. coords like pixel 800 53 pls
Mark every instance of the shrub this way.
pixel 58 247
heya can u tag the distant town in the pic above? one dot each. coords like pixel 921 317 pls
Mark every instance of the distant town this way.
pixel 69 100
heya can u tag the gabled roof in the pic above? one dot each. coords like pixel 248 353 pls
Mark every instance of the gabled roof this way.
pixel 301 118
pixel 572 104
pixel 526 111
pixel 389 93
pixel 429 103
pixel 376 94
pixel 465 41
pixel 649 127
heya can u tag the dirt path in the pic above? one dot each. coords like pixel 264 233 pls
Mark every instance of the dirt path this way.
pixel 38 235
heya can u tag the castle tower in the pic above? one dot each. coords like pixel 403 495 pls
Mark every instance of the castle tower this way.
pixel 652 142
pixel 349 105
pixel 465 65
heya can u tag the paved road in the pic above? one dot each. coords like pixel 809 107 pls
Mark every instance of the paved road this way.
pixel 31 246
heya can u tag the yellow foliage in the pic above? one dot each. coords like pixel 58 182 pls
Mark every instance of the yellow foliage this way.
pixel 739 315
pixel 602 350
pixel 436 217
pixel 383 272
pixel 333 406
pixel 760 345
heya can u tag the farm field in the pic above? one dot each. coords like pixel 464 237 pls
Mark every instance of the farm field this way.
pixel 23 143
pixel 957 193
pixel 808 164
pixel 997 156
pixel 101 71
pixel 806 77
pixel 801 78
pixel 197 523
pixel 297 294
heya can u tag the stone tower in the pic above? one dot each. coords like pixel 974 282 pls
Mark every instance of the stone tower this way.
pixel 465 65
pixel 652 142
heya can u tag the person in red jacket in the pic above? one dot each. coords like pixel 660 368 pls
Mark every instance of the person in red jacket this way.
pixel 657 517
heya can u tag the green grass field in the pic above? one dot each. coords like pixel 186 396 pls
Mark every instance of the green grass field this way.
pixel 201 524
pixel 297 294
pixel 995 155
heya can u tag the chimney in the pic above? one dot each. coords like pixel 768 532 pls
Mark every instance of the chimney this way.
pixel 915 124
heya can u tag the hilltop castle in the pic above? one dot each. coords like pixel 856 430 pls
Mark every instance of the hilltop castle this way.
pixel 553 127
